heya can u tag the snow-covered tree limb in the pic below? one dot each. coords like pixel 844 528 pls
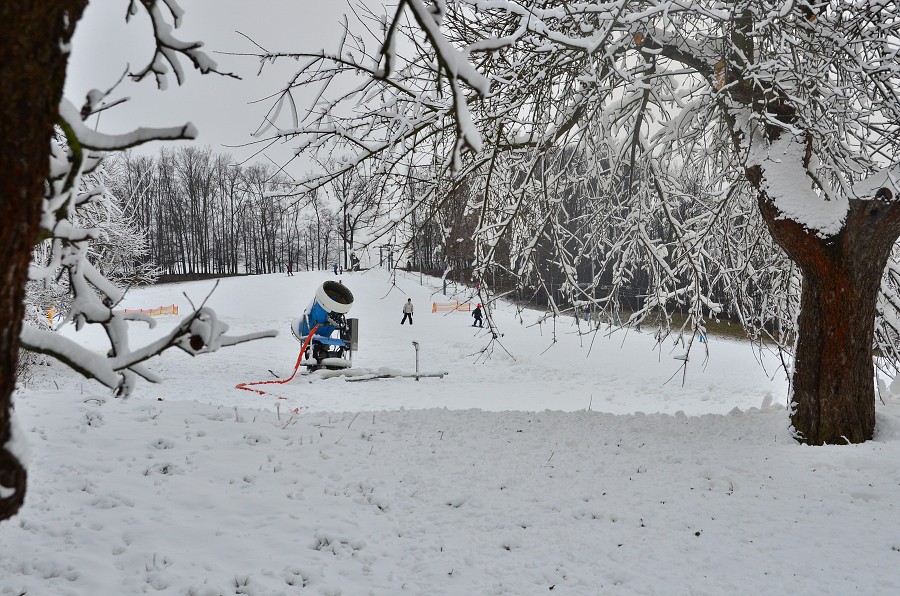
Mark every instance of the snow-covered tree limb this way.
pixel 678 161
pixel 169 50
pixel 77 152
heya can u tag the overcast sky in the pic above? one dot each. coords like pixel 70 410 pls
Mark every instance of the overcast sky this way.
pixel 104 46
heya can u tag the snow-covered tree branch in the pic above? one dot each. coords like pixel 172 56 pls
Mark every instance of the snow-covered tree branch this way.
pixel 730 159
pixel 46 179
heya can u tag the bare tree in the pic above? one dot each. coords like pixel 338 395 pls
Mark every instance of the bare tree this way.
pixel 206 214
pixel 358 196
pixel 761 138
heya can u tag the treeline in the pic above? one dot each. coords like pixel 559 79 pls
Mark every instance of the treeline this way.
pixel 581 240
pixel 205 214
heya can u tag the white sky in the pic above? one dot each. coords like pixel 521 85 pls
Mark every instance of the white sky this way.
pixel 104 46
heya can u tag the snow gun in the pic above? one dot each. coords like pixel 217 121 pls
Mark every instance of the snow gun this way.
pixel 329 338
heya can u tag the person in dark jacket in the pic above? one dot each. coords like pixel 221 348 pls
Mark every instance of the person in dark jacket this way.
pixel 477 314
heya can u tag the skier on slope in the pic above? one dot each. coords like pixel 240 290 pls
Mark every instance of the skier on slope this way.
pixel 407 311
pixel 477 314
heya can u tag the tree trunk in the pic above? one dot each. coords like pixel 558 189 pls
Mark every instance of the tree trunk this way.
pixel 32 72
pixel 833 385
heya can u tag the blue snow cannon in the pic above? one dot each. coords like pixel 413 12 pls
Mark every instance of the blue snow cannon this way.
pixel 336 337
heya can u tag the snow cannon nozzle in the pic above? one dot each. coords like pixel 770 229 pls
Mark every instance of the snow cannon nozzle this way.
pixel 334 297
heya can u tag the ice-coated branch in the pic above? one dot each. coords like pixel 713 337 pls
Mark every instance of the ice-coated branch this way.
pixel 455 63
pixel 64 246
pixel 88 138
pixel 199 333
pixel 169 50
pixel 623 145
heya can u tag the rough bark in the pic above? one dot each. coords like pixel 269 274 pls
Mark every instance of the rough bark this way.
pixel 833 399
pixel 32 74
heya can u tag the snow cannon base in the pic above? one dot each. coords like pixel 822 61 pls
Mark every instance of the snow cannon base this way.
pixel 334 363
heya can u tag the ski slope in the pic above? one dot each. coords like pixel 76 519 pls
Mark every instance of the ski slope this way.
pixel 612 373
pixel 533 468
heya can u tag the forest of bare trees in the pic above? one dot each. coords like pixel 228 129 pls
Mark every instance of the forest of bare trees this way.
pixel 205 214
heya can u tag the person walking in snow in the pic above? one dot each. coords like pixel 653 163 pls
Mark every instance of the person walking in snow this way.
pixel 477 314
pixel 334 268
pixel 407 311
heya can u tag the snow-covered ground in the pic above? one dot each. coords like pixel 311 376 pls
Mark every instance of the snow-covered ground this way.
pixel 525 470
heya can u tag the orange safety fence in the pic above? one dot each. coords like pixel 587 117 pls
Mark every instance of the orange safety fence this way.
pixel 450 306
pixel 172 309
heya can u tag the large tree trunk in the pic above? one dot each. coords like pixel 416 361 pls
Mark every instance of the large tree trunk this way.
pixel 833 399
pixel 32 73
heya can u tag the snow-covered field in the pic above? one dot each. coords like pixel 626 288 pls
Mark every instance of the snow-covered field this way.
pixel 523 471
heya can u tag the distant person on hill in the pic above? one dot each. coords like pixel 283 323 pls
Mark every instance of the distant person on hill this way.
pixel 407 311
pixel 477 314
pixel 334 267
pixel 290 270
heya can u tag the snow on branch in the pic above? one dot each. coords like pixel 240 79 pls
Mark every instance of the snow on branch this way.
pixel 93 295
pixel 883 184
pixel 74 187
pixel 785 183
pixel 168 49
pixel 623 148
pixel 201 332
pixel 91 139
pixel 457 67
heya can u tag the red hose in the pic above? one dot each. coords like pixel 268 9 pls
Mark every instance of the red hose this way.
pixel 245 386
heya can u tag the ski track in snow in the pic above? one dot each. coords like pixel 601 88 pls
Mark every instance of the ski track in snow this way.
pixel 496 479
